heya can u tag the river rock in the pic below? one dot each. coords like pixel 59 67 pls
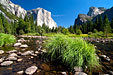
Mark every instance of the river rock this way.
pixel 24 46
pixel 78 69
pixel 27 53
pixel 104 57
pixel 12 58
pixel 1 51
pixel 36 52
pixel 31 70
pixel 1 60
pixel 20 72
pixel 6 63
pixel 12 51
pixel 19 60
pixel 80 73
pixel 13 55
pixel 64 73
pixel 17 44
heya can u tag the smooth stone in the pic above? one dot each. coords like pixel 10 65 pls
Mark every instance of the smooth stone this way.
pixel 17 44
pixel 24 46
pixel 103 56
pixel 27 53
pixel 36 52
pixel 80 73
pixel 20 72
pixel 1 51
pixel 6 63
pixel 31 70
pixel 44 51
pixel 13 55
pixel 12 58
pixel 78 69
pixel 1 60
pixel 19 60
pixel 107 58
pixel 64 73
pixel 12 51
pixel 32 57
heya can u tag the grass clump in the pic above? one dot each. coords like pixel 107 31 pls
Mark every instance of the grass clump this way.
pixel 6 39
pixel 71 52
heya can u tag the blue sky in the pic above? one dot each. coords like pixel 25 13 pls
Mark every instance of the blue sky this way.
pixel 64 12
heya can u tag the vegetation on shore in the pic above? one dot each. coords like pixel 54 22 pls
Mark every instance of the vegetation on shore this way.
pixel 71 52
pixel 6 39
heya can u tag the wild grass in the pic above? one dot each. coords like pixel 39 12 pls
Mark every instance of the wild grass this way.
pixel 71 52
pixel 6 39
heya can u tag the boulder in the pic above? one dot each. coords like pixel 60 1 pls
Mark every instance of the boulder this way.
pixel 13 55
pixel 17 44
pixel 6 63
pixel 1 51
pixel 31 70
pixel 24 46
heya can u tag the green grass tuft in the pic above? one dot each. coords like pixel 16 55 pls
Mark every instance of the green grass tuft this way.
pixel 6 39
pixel 71 52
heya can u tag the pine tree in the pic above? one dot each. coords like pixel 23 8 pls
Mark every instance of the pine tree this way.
pixel 1 26
pixel 107 27
pixel 100 24
pixel 71 30
pixel 7 27
pixel 111 23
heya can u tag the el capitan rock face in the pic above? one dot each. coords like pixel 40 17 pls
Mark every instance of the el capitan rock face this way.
pixel 93 11
pixel 42 16
pixel 13 8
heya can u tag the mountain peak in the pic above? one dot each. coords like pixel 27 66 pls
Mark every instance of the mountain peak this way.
pixel 94 11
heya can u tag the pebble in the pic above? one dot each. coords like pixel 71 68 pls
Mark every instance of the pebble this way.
pixel 64 73
pixel 78 69
pixel 19 60
pixel 20 72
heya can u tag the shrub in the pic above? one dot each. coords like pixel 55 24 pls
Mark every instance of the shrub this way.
pixel 79 32
pixel 6 39
pixel 65 31
pixel 89 33
pixel 71 52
